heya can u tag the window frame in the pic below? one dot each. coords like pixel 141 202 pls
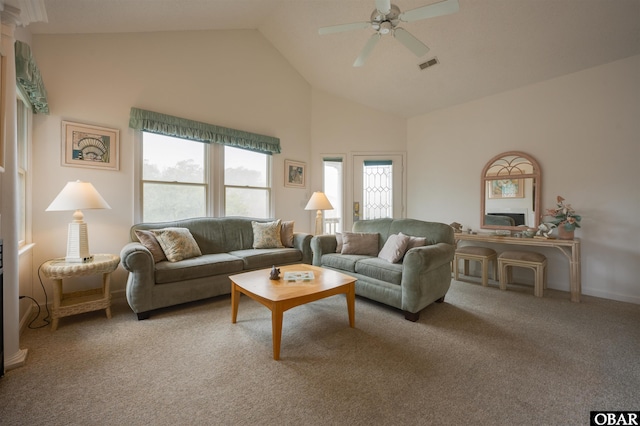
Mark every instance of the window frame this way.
pixel 205 184
pixel 341 209
pixel 268 187
pixel 214 164
pixel 24 166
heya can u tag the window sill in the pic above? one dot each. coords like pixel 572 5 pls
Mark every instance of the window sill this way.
pixel 25 249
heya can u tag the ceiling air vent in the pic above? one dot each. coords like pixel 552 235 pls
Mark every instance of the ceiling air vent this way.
pixel 431 62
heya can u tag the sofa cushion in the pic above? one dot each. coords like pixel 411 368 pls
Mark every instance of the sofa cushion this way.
pixel 266 258
pixel 415 241
pixel 360 243
pixel 150 241
pixel 380 269
pixel 344 262
pixel 266 234
pixel 197 267
pixel 177 243
pixel 394 249
pixel 286 233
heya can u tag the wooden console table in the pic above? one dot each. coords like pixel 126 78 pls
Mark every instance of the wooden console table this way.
pixel 65 304
pixel 570 248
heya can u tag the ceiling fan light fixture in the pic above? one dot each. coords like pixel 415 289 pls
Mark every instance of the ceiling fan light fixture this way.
pixel 385 19
pixel 385 27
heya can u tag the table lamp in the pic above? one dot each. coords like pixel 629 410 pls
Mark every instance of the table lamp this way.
pixel 77 196
pixel 319 202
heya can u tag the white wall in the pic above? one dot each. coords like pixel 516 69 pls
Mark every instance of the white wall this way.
pixel 583 129
pixel 343 127
pixel 229 78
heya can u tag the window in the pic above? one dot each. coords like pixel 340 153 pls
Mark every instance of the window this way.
pixel 174 178
pixel 332 175
pixel 179 182
pixel 23 135
pixel 247 189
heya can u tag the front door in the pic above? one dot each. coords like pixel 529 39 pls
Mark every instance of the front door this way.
pixel 377 187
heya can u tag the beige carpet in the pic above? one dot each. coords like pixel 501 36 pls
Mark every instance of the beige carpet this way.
pixel 482 357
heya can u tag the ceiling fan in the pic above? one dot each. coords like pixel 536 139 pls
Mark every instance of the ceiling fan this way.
pixel 385 19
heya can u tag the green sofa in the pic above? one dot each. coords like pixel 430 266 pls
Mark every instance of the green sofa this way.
pixel 422 277
pixel 226 245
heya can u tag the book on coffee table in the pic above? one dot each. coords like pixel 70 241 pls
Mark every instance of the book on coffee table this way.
pixel 294 276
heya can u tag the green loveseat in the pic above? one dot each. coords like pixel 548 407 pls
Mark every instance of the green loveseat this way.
pixel 421 277
pixel 226 245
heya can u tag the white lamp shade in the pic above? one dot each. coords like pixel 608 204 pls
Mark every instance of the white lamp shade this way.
pixel 319 201
pixel 78 196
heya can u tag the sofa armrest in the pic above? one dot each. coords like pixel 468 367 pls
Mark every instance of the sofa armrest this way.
pixel 426 275
pixel 321 245
pixel 138 260
pixel 302 242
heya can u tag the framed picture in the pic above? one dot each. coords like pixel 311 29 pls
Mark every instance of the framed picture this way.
pixel 295 174
pixel 505 188
pixel 95 147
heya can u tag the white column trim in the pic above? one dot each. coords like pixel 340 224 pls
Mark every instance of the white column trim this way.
pixel 14 356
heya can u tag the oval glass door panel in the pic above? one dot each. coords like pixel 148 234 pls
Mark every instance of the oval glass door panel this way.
pixel 377 187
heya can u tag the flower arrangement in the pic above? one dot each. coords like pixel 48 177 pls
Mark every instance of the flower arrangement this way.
pixel 564 215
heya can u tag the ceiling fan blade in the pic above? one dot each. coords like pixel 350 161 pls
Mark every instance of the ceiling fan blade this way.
pixel 344 27
pixel 383 6
pixel 410 42
pixel 366 51
pixel 430 11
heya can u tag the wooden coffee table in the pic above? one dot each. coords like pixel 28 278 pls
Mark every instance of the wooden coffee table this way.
pixel 280 295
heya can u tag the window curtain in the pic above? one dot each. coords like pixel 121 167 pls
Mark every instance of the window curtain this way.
pixel 169 125
pixel 29 79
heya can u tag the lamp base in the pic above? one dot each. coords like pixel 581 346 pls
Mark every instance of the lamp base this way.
pixel 78 244
pixel 319 223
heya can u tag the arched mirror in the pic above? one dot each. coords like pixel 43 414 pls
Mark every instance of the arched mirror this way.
pixel 510 193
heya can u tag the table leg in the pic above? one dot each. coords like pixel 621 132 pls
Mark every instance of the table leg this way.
pixel 575 276
pixel 276 328
pixel 235 299
pixel 351 304
pixel 106 292
pixel 57 297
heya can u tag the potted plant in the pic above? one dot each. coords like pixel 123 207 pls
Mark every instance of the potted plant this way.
pixel 565 219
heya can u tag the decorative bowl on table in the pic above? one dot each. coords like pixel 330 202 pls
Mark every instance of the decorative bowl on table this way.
pixel 503 233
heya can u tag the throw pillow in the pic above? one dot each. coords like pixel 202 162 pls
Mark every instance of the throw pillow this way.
pixel 415 241
pixel 150 241
pixel 360 243
pixel 177 243
pixel 286 233
pixel 395 247
pixel 266 234
pixel 339 242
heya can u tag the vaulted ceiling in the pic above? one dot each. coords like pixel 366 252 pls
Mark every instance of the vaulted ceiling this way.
pixel 487 47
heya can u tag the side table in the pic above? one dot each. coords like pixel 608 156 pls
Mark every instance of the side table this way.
pixel 65 304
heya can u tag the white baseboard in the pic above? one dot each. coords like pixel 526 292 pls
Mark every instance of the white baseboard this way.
pixel 611 296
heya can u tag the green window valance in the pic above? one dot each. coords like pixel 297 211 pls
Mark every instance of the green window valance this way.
pixel 372 163
pixel 169 125
pixel 29 78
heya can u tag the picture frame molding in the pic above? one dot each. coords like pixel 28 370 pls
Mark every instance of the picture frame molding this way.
pixel 67 148
pixel 291 179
